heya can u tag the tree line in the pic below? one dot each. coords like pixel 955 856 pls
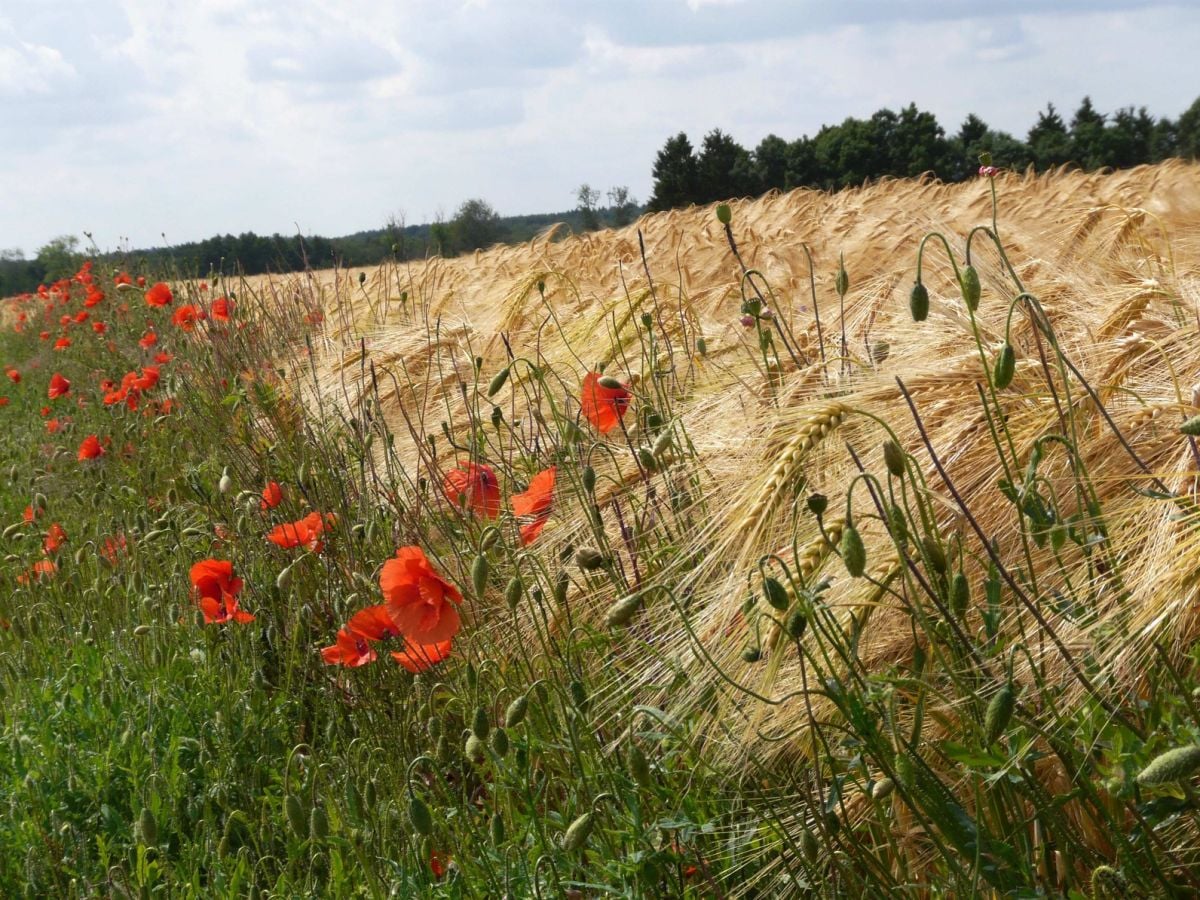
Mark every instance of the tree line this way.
pixel 910 143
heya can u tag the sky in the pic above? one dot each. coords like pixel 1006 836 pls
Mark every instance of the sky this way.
pixel 145 122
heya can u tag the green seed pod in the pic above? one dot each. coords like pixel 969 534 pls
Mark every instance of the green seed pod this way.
pixel 971 289
pixel 318 824
pixel 561 583
pixel 579 695
pixel 1005 368
pixel 842 282
pixel 513 591
pixel 434 727
pixel 751 654
pixel 475 749
pixel 1174 765
pixel 960 594
pixel 578 833
pixel 148 827
pixel 639 766
pixel 589 559
pixel 498 381
pixel 371 794
pixel 479 574
pixel 497 829
pixel 1000 711
pixel 419 815
pixel 515 714
pixel 934 553
pixel 897 524
pixel 1108 884
pixel 893 457
pixel 663 443
pixel 724 213
pixel 283 580
pixel 918 302
pixel 646 460
pixel 817 504
pixel 808 845
pixel 702 346
pixel 354 802
pixel 622 612
pixel 499 742
pixel 441 749
pixel 39 500
pixel 225 485
pixel 295 815
pixel 1191 427
pixel 480 727
pixel 776 594
pixel 589 479
pixel 882 789
pixel 141 630
pixel 795 624
pixel 607 381
pixel 1058 537
pixel 905 771
pixel 854 554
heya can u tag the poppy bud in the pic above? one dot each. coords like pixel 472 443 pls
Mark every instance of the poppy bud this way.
pixel 808 845
pixel 39 500
pixel 854 554
pixel 226 483
pixel 141 630
pixel 589 478
pixel 639 766
pixel 148 827
pixel 1107 882
pixel 960 594
pixel 842 282
pixel 935 554
pixel 1174 765
pixel 561 583
pixel 882 789
pixel 724 213
pixel 579 695
pixel 607 381
pixel 513 591
pixel 795 624
pixel 1191 427
pixel 283 580
pixel 999 712
pixel 622 612
pixel 499 742
pixel 318 824
pixel 702 346
pixel 971 288
pixel 479 724
pixel 918 302
pixel 589 559
pixel 776 593
pixel 295 815
pixel 1006 366
pixel 578 833
pixel 497 829
pixel 475 750
pixel 498 381
pixel 479 574
pixel 646 460
pixel 418 814
pixel 371 794
pixel 663 443
pixel 893 457
pixel 751 654
pixel 515 714
pixel 362 278
pixel 817 504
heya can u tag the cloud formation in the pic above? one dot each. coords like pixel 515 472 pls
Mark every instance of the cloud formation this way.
pixel 139 118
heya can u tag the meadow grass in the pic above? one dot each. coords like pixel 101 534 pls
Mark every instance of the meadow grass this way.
pixel 825 601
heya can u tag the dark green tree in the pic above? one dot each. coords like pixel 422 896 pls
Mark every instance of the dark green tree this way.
pixel 1089 143
pixel 59 257
pixel 918 144
pixel 771 164
pixel 1188 132
pixel 587 201
pixel 1048 140
pixel 675 175
pixel 1128 140
pixel 475 225
pixel 724 169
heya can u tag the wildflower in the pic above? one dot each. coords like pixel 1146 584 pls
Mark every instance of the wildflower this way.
pixel 304 533
pixel 374 623
pixel 122 278
pixel 114 548
pixel 148 340
pixel 187 316
pixel 147 380
pixel 59 386
pixel 349 649
pixel 160 358
pixel 53 426
pixel 272 495
pixel 3 401
pixel 535 501
pixel 437 865
pixel 419 600
pixel 90 448
pixel 13 375
pixel 44 335
pixel 43 568
pixel 62 343
pixel 603 405
pixel 159 295
pixel 216 588
pixel 474 487
pixel 221 309
pixel 141 281
pixel 30 514
pixel 99 327
pixel 56 536
pixel 419 657
pixel 82 316
pixel 988 171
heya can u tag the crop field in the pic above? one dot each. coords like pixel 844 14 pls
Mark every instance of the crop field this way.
pixel 819 545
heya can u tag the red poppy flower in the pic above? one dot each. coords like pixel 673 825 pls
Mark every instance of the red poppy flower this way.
pixel 59 386
pixel 304 533
pixel 43 568
pixel 56 536
pixel 90 448
pixel 603 405
pixel 62 343
pixel 30 514
pixel 148 378
pixel 114 548
pixel 81 317
pixel 419 600
pixel 122 278
pixel 160 358
pixel 148 340
pixel 419 657
pixel 437 865
pixel 350 650
pixel 99 327
pixel 53 426
pixel 272 495
pixel 216 588
pixel 159 295
pixel 535 502
pixel 3 401
pixel 141 281
pixel 221 309
pixel 94 298
pixel 187 316
pixel 13 375
pixel 475 488
pixel 203 286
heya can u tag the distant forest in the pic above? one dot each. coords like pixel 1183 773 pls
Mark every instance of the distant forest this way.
pixel 903 144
